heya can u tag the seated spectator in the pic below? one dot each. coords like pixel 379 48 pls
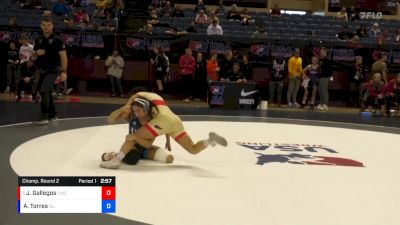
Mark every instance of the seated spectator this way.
pixel 212 68
pixel 246 68
pixel 153 18
pixel 234 13
pixel 60 8
pixel 345 34
pixel 119 6
pixel 375 94
pixel 245 17
pixel 213 16
pixel 167 10
pixel 234 75
pixel 147 30
pixel 200 6
pixel 201 18
pixel 46 13
pixel 33 4
pixel 260 33
pixel 386 35
pixel 375 32
pixel 362 31
pixel 276 11
pixel 192 28
pixel 227 63
pixel 355 42
pixel 174 31
pixel 178 13
pixel 101 6
pixel 82 17
pixel 397 39
pixel 214 29
pixel 12 24
pixel 353 14
pixel 221 8
pixel 392 93
pixel 342 15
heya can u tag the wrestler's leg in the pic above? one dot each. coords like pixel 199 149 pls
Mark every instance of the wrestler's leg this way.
pixel 186 142
pixel 158 154
pixel 127 147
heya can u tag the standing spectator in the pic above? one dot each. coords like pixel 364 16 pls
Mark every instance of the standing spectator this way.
pixel 234 13
pixel 392 93
pixel 178 13
pixel 357 76
pixel 278 72
pixel 187 65
pixel 375 31
pixel 260 33
pixel 295 69
pixel 12 67
pixel 161 63
pixel 200 77
pixel 201 18
pixel 345 34
pixel 115 67
pixel 60 8
pixel 212 68
pixel 111 22
pixel 200 6
pixel 25 53
pixel 221 8
pixel 353 14
pixel 227 63
pixel 246 68
pixel 153 18
pixel 245 17
pixel 375 94
pixel 234 75
pixel 192 28
pixel 342 15
pixel 324 77
pixel 214 29
pixel 101 5
pixel 276 11
pixel 27 76
pixel 81 17
pixel 312 73
pixel 386 35
pixel 51 55
pixel 380 66
pixel 362 31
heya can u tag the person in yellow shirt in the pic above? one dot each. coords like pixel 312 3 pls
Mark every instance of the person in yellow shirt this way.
pixel 295 69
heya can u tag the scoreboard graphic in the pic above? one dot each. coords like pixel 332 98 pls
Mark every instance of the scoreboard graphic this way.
pixel 66 195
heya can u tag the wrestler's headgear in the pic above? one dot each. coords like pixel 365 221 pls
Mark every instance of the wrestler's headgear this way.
pixel 143 103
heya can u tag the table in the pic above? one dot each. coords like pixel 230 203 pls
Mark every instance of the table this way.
pixel 232 95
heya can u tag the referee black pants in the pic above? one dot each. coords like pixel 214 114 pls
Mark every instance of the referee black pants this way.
pixel 45 87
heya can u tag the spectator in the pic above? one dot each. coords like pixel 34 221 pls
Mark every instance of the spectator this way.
pixel 200 6
pixel 214 29
pixel 355 42
pixel 25 51
pixel 375 94
pixel 60 8
pixel 245 17
pixel 46 13
pixel 392 93
pixel 212 68
pixel 312 73
pixel 324 77
pixel 295 69
pixel 174 31
pixel 27 76
pixel 362 31
pixel 153 18
pixel 178 13
pixel 345 34
pixel 82 17
pixel 115 66
pixel 120 6
pixel 342 15
pixel 386 35
pixel 375 32
pixel 147 30
pixel 13 26
pixel 234 13
pixel 33 4
pixel 201 18
pixel 234 75
pixel 101 6
pixel 353 14
pixel 246 68
pixel 212 17
pixel 397 39
pixel 192 28
pixel 276 11
pixel 221 8
pixel 260 33
pixel 357 76
pixel 227 63
pixel 161 63
pixel 12 67
pixel 200 77
pixel 167 10
pixel 380 66
pixel 278 72
pixel 111 22
pixel 187 65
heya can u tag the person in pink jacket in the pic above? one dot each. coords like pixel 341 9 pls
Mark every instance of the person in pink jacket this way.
pixel 187 64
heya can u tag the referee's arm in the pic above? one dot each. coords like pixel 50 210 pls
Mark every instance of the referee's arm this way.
pixel 64 60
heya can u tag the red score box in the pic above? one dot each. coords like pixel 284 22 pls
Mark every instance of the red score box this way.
pixel 107 193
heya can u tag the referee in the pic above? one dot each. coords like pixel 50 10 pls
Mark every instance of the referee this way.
pixel 50 54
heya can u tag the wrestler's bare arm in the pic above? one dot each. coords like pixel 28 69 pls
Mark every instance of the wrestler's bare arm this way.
pixel 122 113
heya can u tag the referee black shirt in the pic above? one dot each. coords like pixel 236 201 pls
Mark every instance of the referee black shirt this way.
pixel 52 45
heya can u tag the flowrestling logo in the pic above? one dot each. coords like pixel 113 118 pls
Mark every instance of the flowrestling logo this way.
pixel 300 154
